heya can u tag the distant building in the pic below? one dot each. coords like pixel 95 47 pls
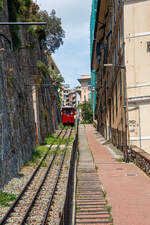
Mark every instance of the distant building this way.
pixel 53 65
pixel 65 94
pixel 70 96
pixel 85 89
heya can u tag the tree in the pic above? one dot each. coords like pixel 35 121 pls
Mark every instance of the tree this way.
pixel 54 31
pixel 28 10
pixel 86 112
pixel 57 79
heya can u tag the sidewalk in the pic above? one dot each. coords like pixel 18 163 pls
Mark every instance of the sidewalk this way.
pixel 90 202
pixel 127 187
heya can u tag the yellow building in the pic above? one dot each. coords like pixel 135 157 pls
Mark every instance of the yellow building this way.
pixel 85 89
pixel 137 61
pixel 120 57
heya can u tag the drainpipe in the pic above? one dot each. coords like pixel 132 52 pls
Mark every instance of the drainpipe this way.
pixel 125 107
pixel 93 104
pixel 125 97
pixel 140 127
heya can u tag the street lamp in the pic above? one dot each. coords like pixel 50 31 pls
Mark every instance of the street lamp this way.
pixel 112 65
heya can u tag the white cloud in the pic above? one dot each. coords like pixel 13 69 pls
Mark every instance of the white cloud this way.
pixel 73 58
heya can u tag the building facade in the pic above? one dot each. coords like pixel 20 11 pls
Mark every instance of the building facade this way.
pixel 137 61
pixel 65 94
pixel 85 89
pixel 70 96
pixel 107 62
pixel 120 60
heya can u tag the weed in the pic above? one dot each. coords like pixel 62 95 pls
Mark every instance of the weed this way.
pixel 104 193
pixel 96 167
pixel 36 155
pixel 57 163
pixel 60 126
pixel 77 209
pixel 111 219
pixel 59 152
pixel 77 193
pixel 52 140
pixel 108 208
pixel 44 164
pixel 119 160
pixel 6 198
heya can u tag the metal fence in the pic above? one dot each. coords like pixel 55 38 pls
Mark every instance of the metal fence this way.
pixel 67 214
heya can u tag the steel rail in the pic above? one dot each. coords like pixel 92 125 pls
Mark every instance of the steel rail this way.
pixel 11 209
pixel 44 178
pixel 55 185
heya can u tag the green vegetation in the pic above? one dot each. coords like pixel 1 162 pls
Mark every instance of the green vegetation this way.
pixel 104 193
pixel 96 167
pixel 52 139
pixel 57 79
pixel 17 10
pixel 36 155
pixel 60 126
pixel 43 69
pixel 40 151
pixel 86 113
pixel 6 198
pixel 1 5
pixel 77 209
pixel 120 160
pixel 108 208
pixel 27 10
pixel 54 32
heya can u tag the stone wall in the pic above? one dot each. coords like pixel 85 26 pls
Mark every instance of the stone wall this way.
pixel 140 158
pixel 17 121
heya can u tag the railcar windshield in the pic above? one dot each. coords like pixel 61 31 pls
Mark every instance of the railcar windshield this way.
pixel 68 111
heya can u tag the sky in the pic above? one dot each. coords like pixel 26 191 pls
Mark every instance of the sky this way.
pixel 73 58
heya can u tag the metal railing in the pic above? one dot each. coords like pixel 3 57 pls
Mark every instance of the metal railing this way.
pixel 67 214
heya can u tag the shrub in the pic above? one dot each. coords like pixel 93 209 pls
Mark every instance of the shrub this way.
pixel 86 113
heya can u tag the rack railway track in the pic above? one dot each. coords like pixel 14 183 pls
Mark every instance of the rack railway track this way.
pixel 38 194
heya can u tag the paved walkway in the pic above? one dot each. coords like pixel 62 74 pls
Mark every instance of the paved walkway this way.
pixel 90 202
pixel 127 187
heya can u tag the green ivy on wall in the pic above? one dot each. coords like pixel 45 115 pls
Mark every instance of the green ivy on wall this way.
pixel 43 70
pixel 17 10
pixel 1 5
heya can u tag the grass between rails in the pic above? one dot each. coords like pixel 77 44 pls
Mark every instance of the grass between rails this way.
pixel 6 198
pixel 51 139
pixel 40 151
pixel 37 154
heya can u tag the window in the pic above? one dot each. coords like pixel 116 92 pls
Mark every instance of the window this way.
pixel 52 67
pixel 115 55
pixel 113 109
pixel 89 83
pixel 116 90
pixel 120 87
pixel 119 38
pixel 148 46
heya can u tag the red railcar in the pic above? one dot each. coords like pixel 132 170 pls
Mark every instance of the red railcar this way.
pixel 68 115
